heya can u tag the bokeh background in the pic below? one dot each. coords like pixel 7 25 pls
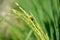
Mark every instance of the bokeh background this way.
pixel 29 19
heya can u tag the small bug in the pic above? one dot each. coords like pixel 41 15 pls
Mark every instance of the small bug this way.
pixel 30 18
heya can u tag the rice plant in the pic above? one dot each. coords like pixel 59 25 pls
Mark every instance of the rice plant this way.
pixel 31 20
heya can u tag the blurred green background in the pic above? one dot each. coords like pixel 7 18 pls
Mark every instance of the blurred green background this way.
pixel 29 19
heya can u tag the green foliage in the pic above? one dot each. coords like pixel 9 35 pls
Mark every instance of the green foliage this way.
pixel 32 20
